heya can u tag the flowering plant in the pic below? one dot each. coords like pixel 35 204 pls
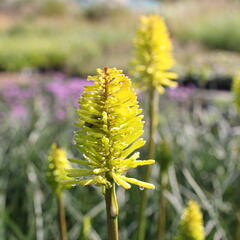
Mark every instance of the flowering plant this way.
pixel 111 125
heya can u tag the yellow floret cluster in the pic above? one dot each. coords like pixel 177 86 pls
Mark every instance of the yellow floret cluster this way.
pixel 153 54
pixel 191 224
pixel 110 128
pixel 57 165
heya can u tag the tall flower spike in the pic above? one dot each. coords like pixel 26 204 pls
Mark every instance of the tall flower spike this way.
pixel 153 54
pixel 57 163
pixel 191 224
pixel 111 125
pixel 236 91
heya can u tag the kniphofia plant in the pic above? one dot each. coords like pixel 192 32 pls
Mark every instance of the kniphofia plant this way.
pixel 150 68
pixel 110 128
pixel 57 163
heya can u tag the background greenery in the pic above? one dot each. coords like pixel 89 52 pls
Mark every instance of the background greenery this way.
pixel 55 35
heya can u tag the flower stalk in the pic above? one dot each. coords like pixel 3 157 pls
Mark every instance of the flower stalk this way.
pixel 162 206
pixel 112 212
pixel 165 160
pixel 61 217
pixel 86 227
pixel 153 100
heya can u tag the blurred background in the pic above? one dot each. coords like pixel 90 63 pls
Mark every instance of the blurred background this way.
pixel 48 47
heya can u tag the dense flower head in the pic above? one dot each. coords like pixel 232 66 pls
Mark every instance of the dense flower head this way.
pixel 57 164
pixel 191 224
pixel 153 54
pixel 236 91
pixel 111 125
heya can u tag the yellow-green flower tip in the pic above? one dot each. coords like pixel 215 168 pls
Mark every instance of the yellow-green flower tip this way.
pixel 111 127
pixel 153 55
pixel 191 224
pixel 57 165
pixel 236 91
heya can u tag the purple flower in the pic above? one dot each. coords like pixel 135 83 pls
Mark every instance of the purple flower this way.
pixel 66 91
pixel 59 76
pixel 60 114
pixel 180 93
pixel 76 87
pixel 14 93
pixel 18 111
pixel 57 88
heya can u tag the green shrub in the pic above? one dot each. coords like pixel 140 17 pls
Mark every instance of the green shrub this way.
pixel 220 32
pixel 73 48
pixel 31 52
pixel 99 11
pixel 53 8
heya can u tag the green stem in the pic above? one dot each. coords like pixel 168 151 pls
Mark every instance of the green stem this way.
pixel 238 226
pixel 86 227
pixel 112 212
pixel 61 217
pixel 162 206
pixel 153 112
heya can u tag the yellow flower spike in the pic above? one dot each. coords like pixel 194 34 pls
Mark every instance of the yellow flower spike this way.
pixel 191 224
pixel 111 125
pixel 153 55
pixel 57 165
pixel 236 91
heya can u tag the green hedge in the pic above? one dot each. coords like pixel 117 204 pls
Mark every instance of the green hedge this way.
pixel 74 48
pixel 218 32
